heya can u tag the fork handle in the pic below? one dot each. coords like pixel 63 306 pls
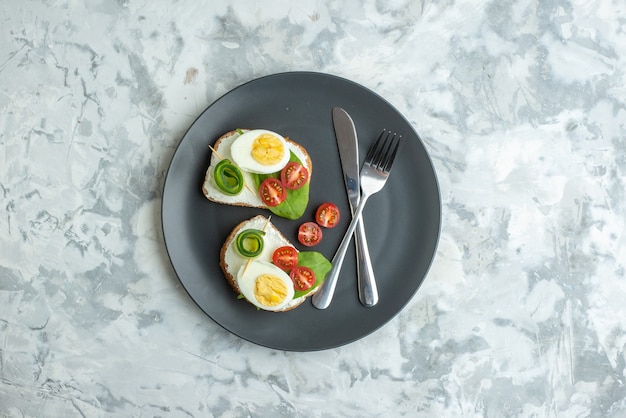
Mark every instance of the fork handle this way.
pixel 368 291
pixel 324 296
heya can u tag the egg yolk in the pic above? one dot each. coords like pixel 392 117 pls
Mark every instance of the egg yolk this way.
pixel 267 149
pixel 269 290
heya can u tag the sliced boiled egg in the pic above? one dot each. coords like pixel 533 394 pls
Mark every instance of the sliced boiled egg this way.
pixel 260 151
pixel 265 285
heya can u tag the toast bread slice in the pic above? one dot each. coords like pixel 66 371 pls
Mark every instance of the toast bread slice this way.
pixel 231 262
pixel 249 196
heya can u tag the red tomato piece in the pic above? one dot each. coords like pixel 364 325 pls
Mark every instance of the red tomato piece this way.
pixel 272 192
pixel 327 215
pixel 294 175
pixel 286 257
pixel 309 234
pixel 303 278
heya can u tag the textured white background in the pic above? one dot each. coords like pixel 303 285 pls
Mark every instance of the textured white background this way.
pixel 521 105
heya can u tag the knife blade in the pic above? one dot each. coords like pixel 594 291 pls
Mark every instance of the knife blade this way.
pixel 348 146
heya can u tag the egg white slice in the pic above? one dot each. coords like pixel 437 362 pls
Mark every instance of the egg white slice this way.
pixel 241 151
pixel 247 277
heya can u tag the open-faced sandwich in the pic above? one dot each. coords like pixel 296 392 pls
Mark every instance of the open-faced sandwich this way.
pixel 264 268
pixel 259 168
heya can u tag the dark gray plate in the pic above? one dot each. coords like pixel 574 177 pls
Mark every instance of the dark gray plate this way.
pixel 402 221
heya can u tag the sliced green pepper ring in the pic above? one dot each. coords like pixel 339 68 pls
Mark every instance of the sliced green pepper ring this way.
pixel 249 243
pixel 228 177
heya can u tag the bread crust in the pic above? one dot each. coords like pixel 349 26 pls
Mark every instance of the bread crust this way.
pixel 227 243
pixel 232 279
pixel 302 154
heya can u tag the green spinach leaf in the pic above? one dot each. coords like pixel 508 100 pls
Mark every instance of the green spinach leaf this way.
pixel 316 262
pixel 296 202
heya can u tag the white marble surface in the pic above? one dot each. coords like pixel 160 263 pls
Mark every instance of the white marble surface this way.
pixel 521 105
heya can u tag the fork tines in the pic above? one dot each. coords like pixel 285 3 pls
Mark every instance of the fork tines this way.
pixel 381 155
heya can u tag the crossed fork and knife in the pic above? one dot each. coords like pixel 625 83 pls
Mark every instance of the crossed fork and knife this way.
pixel 372 178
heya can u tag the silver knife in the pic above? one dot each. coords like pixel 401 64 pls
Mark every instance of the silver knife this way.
pixel 349 155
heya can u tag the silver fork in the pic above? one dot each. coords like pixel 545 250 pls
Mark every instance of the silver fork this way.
pixel 373 177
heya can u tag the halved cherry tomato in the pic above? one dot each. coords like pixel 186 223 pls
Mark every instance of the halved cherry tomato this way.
pixel 309 234
pixel 294 175
pixel 302 277
pixel 327 215
pixel 272 192
pixel 286 257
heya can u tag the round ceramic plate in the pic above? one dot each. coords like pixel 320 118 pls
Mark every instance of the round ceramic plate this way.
pixel 402 221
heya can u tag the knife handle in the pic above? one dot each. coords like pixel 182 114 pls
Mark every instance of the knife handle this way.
pixel 322 298
pixel 368 291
